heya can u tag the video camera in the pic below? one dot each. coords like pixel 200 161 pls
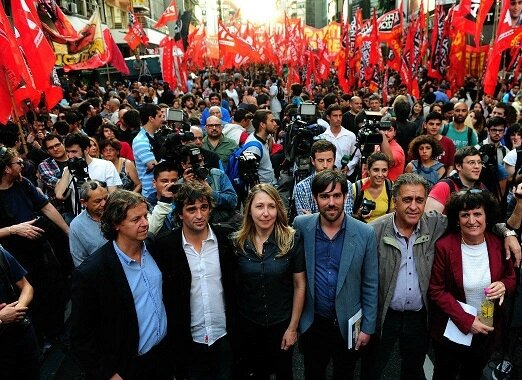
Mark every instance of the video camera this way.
pixel 369 134
pixel 488 155
pixel 248 165
pixel 302 132
pixel 78 168
pixel 198 168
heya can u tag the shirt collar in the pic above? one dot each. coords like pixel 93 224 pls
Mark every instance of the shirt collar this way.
pixel 210 237
pixel 396 230
pixel 126 259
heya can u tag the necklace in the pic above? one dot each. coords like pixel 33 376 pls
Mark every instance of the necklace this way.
pixel 472 246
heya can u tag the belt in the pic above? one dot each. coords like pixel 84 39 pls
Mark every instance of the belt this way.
pixel 406 312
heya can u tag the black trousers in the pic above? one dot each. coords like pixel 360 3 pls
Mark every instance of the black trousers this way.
pixel 260 352
pixel 19 352
pixel 155 364
pixel 452 359
pixel 320 343
pixel 212 362
pixel 411 330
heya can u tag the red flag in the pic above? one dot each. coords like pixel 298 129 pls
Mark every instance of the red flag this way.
pixel 15 79
pixel 457 54
pixel 59 28
pixel 507 37
pixel 135 35
pixel 197 47
pixel 439 46
pixel 170 15
pixel 38 52
pixel 115 57
pixel 167 45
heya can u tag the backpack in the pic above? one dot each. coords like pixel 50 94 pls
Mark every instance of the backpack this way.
pixel 280 93
pixel 358 196
pixel 429 174
pixel 470 133
pixel 233 164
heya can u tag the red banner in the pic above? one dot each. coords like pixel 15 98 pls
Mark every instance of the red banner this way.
pixel 170 15
pixel 136 36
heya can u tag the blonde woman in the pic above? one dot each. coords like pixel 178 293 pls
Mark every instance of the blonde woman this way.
pixel 271 286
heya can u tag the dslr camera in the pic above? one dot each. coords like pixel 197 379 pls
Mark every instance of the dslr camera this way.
pixel 78 168
pixel 367 206
pixel 198 168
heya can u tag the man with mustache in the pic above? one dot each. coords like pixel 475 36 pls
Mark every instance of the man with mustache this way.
pixel 341 276
pixel 406 248
pixel 457 131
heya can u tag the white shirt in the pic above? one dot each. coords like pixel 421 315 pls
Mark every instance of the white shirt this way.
pixel 207 302
pixel 476 275
pixel 233 131
pixel 345 144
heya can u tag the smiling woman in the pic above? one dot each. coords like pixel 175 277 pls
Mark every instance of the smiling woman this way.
pixel 258 12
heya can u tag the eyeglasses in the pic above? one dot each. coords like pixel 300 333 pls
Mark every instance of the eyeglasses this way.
pixel 499 131
pixel 19 162
pixel 213 125
pixel 473 163
pixel 55 146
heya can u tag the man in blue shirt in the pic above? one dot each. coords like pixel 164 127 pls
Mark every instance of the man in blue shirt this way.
pixel 118 316
pixel 341 274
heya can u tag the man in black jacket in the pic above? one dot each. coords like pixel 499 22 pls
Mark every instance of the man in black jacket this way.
pixel 200 263
pixel 119 314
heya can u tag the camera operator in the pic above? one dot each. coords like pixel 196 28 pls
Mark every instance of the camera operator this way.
pixel 81 166
pixel 496 128
pixel 390 147
pixel 264 126
pixel 322 157
pixel 161 218
pixel 223 193
pixel 145 147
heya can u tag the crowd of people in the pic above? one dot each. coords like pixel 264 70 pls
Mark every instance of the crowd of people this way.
pixel 403 222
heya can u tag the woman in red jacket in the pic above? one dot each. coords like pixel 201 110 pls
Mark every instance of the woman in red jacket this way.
pixel 469 265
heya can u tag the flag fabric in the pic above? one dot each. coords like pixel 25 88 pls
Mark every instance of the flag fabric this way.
pixel 390 33
pixel 90 52
pixel 55 24
pixel 115 58
pixel 507 37
pixel 37 50
pixel 457 53
pixel 16 82
pixel 135 36
pixel 439 46
pixel 197 47
pixel 169 15
pixel 167 62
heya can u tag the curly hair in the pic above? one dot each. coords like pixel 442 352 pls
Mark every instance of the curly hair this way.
pixel 413 148
pixel 191 192
pixel 284 234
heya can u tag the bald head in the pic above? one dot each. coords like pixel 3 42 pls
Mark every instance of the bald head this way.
pixel 356 104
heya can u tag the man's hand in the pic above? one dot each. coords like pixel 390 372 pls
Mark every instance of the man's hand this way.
pixel 188 175
pixel 512 247
pixel 26 230
pixel 289 339
pixel 10 313
pixel 362 340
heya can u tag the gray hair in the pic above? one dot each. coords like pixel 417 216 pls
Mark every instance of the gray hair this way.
pixel 89 186
pixel 214 108
pixel 409 179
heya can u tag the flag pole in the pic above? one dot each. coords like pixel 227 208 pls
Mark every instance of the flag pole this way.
pixel 15 115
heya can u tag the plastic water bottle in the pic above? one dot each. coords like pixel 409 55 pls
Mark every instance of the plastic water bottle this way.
pixel 487 308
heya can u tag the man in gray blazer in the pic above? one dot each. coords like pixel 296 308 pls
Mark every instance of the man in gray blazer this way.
pixel 342 273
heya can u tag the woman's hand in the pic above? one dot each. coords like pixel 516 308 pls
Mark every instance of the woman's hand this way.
pixel 480 328
pixel 496 290
pixel 289 339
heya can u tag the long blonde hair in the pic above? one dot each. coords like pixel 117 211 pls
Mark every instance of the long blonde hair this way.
pixel 284 234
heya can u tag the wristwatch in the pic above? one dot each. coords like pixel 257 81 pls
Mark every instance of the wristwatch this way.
pixel 510 233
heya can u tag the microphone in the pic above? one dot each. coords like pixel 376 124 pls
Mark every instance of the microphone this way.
pixel 345 160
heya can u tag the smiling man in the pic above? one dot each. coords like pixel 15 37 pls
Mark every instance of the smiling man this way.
pixel 469 166
pixel 341 274
pixel 405 248
pixel 201 263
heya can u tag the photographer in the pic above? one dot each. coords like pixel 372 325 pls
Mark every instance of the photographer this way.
pixel 161 202
pixel 224 195
pixel 81 166
pixel 322 157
